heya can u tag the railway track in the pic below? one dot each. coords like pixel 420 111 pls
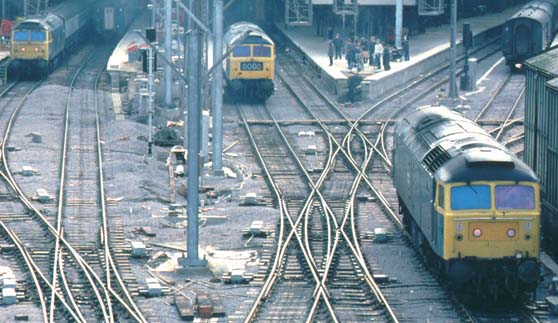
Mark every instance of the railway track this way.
pixel 339 251
pixel 506 100
pixel 404 98
pixel 290 284
pixel 95 262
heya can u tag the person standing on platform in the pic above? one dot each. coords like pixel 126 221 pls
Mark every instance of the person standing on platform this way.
pixel 385 60
pixel 338 44
pixel 364 47
pixel 330 51
pixel 378 50
pixel 405 44
pixel 371 48
pixel 357 57
pixel 349 53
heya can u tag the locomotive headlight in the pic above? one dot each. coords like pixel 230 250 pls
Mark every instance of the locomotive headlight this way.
pixel 477 233
pixel 511 233
pixel 36 49
pixel 518 254
pixel 23 49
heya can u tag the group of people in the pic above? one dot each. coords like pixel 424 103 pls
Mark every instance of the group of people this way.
pixel 365 51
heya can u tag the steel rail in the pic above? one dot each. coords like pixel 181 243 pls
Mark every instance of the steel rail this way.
pixel 284 244
pixel 59 220
pixel 398 93
pixel 494 95
pixel 357 250
pixel 9 232
pixel 504 124
pixel 34 270
pixel 339 228
pixel 32 266
pixel 282 211
pixel 510 113
pixel 51 229
pixel 105 239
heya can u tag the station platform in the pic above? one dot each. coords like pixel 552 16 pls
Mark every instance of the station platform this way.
pixel 119 60
pixel 427 50
pixel 119 66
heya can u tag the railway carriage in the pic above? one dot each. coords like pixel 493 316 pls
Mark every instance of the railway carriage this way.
pixel 469 204
pixel 113 18
pixel 530 31
pixel 250 64
pixel 39 43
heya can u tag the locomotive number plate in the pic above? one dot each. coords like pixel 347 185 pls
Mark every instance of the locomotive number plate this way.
pixel 251 66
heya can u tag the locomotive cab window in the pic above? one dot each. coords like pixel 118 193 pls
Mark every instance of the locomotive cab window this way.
pixel 441 196
pixel 262 51
pixel 470 197
pixel 514 197
pixel 241 51
pixel 38 36
pixel 21 35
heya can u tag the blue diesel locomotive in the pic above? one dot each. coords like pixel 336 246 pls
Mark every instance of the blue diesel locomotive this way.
pixel 469 204
pixel 39 43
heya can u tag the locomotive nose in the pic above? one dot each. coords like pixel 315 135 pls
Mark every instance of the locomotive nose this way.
pixel 529 272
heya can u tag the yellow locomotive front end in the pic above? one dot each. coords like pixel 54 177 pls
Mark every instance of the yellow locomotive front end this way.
pixel 29 45
pixel 490 220
pixel 250 70
pixel 30 48
pixel 252 62
pixel 491 233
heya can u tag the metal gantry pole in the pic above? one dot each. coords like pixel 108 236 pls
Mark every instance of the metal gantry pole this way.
pixel 193 135
pixel 217 148
pixel 186 40
pixel 453 35
pixel 398 22
pixel 168 71
pixel 150 101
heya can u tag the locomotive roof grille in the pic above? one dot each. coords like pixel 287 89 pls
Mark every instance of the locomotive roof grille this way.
pixel 489 158
pixel 436 158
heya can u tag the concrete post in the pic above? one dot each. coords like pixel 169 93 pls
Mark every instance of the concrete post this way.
pixel 453 36
pixel 398 23
pixel 168 49
pixel 217 148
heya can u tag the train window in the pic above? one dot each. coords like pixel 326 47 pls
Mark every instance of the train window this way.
pixel 470 197
pixel 241 51
pixel 38 36
pixel 515 197
pixel 262 51
pixel 21 35
pixel 440 196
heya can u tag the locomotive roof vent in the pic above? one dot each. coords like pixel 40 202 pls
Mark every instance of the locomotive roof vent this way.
pixel 489 158
pixel 436 158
